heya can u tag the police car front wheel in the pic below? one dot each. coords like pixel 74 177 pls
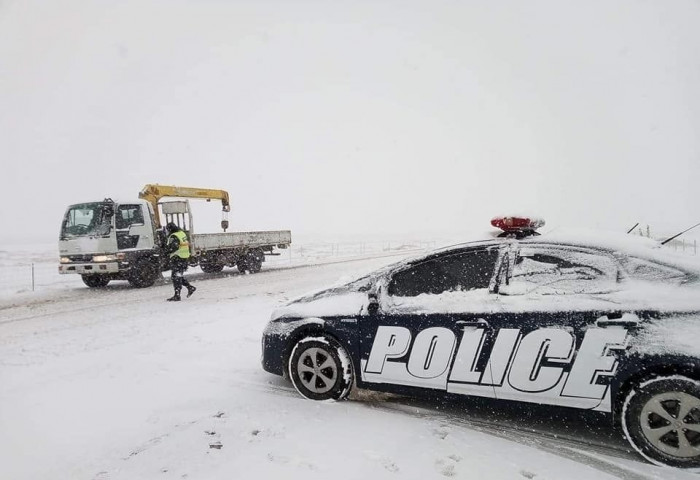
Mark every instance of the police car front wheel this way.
pixel 661 419
pixel 320 369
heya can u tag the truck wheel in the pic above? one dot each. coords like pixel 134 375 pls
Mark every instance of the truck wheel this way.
pixel 321 369
pixel 251 262
pixel 254 260
pixel 95 281
pixel 661 419
pixel 242 266
pixel 211 267
pixel 254 265
pixel 143 274
pixel 259 259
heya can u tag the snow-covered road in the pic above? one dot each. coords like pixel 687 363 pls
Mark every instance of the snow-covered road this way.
pixel 119 384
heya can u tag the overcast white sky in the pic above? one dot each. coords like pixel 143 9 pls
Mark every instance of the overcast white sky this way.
pixel 330 117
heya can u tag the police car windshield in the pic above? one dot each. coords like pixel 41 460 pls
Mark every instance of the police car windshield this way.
pixel 86 219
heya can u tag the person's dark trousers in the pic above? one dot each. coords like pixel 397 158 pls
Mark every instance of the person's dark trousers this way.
pixel 178 266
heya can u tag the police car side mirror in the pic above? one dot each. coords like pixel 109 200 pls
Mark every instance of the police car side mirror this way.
pixel 373 305
pixel 373 297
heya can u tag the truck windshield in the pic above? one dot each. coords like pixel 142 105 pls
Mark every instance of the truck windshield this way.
pixel 87 219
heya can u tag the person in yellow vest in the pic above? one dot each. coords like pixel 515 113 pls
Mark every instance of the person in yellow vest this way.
pixel 178 247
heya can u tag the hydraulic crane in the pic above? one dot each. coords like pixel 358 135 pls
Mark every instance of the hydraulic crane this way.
pixel 152 193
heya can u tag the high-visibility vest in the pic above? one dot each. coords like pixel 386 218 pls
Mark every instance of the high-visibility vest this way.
pixel 184 250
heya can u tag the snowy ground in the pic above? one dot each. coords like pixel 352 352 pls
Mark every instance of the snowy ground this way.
pixel 119 384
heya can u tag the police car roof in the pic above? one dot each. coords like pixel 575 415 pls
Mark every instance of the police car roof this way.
pixel 611 242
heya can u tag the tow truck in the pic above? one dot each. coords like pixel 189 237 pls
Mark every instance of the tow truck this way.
pixel 124 240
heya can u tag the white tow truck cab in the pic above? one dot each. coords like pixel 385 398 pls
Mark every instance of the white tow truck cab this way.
pixel 114 240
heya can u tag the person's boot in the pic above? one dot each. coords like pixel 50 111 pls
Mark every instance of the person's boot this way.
pixel 175 298
pixel 190 291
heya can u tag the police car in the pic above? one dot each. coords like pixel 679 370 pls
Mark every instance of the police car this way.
pixel 597 322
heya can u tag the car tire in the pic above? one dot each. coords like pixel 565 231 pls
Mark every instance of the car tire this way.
pixel 96 281
pixel 661 420
pixel 321 369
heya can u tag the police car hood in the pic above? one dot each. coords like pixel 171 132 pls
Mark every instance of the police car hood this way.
pixel 344 298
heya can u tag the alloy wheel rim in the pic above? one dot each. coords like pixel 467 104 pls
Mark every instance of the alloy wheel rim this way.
pixel 671 423
pixel 317 370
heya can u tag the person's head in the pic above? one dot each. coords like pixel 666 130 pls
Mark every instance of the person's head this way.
pixel 171 227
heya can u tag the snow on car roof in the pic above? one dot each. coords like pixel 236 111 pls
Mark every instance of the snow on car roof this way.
pixel 614 242
pixel 626 244
pixel 611 241
pixel 597 239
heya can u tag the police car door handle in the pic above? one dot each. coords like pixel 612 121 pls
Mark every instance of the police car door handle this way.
pixel 624 320
pixel 479 323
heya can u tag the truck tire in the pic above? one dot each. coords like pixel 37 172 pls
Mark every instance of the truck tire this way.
pixel 254 265
pixel 211 267
pixel 257 260
pixel 249 264
pixel 95 281
pixel 143 274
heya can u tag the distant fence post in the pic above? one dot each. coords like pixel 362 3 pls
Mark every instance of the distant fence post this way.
pixel 32 277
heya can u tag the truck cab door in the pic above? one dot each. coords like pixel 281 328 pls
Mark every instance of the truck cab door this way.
pixel 132 229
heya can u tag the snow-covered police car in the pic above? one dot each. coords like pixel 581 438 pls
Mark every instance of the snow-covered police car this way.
pixel 595 322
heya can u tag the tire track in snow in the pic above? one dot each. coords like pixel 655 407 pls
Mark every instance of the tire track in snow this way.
pixel 601 456
pixel 59 300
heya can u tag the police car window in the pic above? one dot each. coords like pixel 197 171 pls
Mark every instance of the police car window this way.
pixel 458 272
pixel 128 215
pixel 644 270
pixel 559 271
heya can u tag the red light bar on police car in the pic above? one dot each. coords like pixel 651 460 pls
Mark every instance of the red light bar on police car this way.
pixel 517 223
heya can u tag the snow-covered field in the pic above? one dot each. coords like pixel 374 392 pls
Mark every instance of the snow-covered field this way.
pixel 119 384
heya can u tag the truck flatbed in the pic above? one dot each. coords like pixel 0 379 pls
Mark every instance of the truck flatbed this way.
pixel 216 241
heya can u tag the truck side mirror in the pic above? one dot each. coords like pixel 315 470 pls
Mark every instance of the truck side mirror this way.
pixel 108 210
pixel 224 225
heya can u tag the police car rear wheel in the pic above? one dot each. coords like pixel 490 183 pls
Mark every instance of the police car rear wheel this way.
pixel 320 369
pixel 661 419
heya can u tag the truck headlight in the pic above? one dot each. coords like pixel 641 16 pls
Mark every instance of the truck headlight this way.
pixel 65 260
pixel 104 258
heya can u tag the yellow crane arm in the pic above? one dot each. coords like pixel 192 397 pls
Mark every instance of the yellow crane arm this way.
pixel 152 193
